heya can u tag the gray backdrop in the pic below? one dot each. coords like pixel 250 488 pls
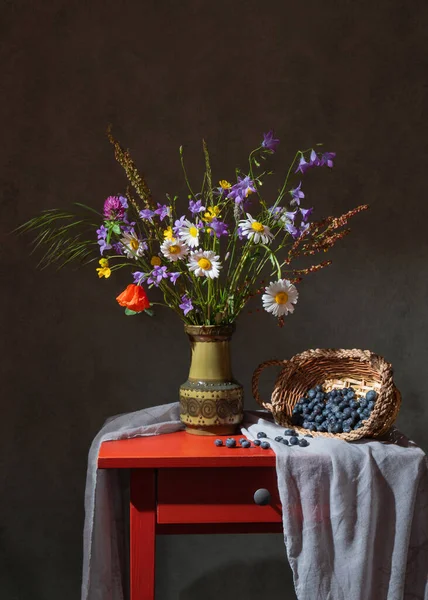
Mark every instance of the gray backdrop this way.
pixel 165 73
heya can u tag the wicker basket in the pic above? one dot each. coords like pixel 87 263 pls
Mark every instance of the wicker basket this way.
pixel 360 369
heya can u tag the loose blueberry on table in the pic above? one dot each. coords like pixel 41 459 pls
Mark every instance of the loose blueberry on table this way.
pixel 265 445
pixel 230 443
pixel 293 440
pixel 218 443
pixel 279 438
pixel 261 434
pixel 246 444
pixel 256 442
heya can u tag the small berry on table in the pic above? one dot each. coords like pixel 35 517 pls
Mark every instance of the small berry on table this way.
pixel 218 443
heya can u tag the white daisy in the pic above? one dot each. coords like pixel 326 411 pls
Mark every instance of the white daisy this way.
pixel 174 249
pixel 204 263
pixel 133 247
pixel 279 297
pixel 189 233
pixel 255 231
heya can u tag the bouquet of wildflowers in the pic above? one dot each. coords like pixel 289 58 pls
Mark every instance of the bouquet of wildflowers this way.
pixel 210 259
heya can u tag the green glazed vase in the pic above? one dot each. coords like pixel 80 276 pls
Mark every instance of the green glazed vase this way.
pixel 211 401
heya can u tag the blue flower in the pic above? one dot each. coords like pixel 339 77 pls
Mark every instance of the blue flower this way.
pixel 241 190
pixel 269 142
pixel 218 228
pixel 147 214
pixel 139 277
pixel 306 213
pixel 173 277
pixel 163 210
pixel 297 195
pixel 186 304
pixel 196 207
pixel 157 275
pixel 102 239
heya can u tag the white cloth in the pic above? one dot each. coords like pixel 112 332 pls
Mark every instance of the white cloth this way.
pixel 103 547
pixel 355 515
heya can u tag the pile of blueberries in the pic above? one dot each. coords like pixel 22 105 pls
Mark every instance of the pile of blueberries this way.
pixel 337 411
pixel 263 443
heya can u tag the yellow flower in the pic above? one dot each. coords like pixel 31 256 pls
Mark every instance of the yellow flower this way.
pixel 212 213
pixel 168 233
pixel 104 271
pixel 225 184
pixel 155 261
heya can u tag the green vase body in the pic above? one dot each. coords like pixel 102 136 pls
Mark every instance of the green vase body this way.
pixel 211 401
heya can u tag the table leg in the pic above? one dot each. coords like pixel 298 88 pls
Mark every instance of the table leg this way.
pixel 142 534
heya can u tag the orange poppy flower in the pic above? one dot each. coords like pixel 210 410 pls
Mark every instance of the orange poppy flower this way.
pixel 134 298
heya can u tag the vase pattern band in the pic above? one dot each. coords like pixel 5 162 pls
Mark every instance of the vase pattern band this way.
pixel 211 401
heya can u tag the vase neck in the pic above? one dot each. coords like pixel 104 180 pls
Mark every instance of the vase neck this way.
pixel 210 360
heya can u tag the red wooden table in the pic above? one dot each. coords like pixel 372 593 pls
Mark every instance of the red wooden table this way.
pixel 182 483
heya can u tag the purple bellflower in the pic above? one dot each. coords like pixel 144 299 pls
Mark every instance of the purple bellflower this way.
pixel 163 210
pixel 269 142
pixel 241 190
pixel 186 304
pixel 157 275
pixel 218 228
pixel 196 207
pixel 102 239
pixel 297 195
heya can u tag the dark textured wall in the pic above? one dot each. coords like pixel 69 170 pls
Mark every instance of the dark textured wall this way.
pixel 165 73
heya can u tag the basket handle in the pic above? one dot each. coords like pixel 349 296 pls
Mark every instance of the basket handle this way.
pixel 256 377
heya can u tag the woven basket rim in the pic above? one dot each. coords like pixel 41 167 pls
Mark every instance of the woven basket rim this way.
pixel 313 366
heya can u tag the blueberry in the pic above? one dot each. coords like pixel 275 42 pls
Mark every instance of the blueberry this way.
pixel 279 438
pixel 265 445
pixel 256 442
pixel 246 444
pixel 354 404
pixel 358 425
pixel 337 428
pixel 319 419
pixel 242 440
pixel 261 435
pixel 344 391
pixel 325 412
pixel 333 393
pixel 310 418
pixel 347 412
pixel 319 396
pixel 370 405
pixel 293 440
pixel 285 442
pixel 346 429
pixel 303 443
pixel 311 405
pixel 318 388
pixel 363 403
pixel 343 405
pixel 350 394
pixel 312 427
pixel 371 396
pixel 218 443
pixel 297 410
pixel 312 394
pixel 289 432
pixel 339 414
pixel 335 409
pixel 306 425
pixel 230 443
pixel 323 427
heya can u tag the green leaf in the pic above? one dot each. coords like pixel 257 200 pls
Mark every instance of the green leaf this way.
pixel 150 312
pixel 116 229
pixel 129 312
